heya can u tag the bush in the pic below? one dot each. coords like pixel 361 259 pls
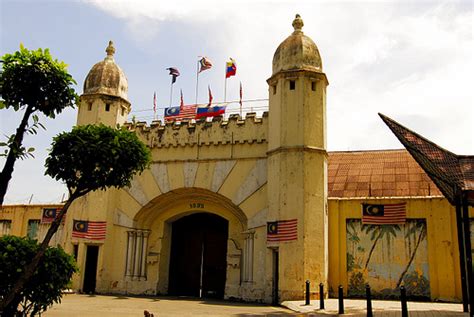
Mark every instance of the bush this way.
pixel 51 276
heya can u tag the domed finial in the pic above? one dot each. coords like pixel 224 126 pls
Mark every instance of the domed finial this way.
pixel 298 23
pixel 110 50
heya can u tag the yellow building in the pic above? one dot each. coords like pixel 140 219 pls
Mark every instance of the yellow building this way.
pixel 251 208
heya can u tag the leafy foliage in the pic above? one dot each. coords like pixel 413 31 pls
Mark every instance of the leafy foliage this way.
pixel 51 276
pixel 94 157
pixel 33 78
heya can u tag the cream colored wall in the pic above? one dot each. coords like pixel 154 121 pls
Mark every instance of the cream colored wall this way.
pixel 297 169
pixel 442 240
pixel 21 214
pixel 117 114
pixel 227 174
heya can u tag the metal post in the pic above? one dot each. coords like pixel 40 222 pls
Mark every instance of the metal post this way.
pixel 468 253
pixel 403 299
pixel 307 300
pixel 321 296
pixel 462 258
pixel 369 301
pixel 341 300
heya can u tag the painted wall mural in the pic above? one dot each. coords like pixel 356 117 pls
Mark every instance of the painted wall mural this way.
pixel 386 257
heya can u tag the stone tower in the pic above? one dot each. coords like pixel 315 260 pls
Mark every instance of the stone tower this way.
pixel 105 93
pixel 297 161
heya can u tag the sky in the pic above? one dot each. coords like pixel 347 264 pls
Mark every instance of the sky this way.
pixel 410 60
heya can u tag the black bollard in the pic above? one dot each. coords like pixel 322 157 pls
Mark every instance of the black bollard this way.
pixel 306 302
pixel 341 301
pixel 403 299
pixel 321 296
pixel 369 301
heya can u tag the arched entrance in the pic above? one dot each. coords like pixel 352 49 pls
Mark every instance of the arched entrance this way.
pixel 198 256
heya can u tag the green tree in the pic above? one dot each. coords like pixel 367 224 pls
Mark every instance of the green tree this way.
pixel 33 81
pixel 88 158
pixel 44 288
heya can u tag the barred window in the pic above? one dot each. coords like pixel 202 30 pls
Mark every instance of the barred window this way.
pixel 37 230
pixel 5 227
pixel 136 254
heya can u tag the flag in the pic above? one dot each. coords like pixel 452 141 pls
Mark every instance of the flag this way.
pixel 282 230
pixel 384 214
pixel 204 112
pixel 231 68
pixel 180 113
pixel 49 214
pixel 204 64
pixel 154 102
pixel 181 102
pixel 210 96
pixel 93 230
pixel 173 72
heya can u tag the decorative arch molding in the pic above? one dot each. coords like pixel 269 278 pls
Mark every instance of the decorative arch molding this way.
pixel 174 198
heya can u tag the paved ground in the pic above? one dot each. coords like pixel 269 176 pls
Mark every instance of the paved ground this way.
pixel 356 307
pixel 74 305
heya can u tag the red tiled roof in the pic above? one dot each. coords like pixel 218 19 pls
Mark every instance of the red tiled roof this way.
pixel 384 173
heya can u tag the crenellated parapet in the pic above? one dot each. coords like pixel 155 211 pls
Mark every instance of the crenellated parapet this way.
pixel 234 130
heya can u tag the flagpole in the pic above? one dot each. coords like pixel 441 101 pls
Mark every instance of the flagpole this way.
pixel 225 90
pixel 197 82
pixel 171 92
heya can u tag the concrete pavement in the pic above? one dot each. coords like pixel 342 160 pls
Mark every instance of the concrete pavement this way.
pixel 75 305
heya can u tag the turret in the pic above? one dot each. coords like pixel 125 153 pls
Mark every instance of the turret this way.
pixel 105 93
pixel 297 161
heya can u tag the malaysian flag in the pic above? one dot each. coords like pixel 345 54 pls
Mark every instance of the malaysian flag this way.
pixel 93 230
pixel 180 113
pixel 384 214
pixel 282 230
pixel 49 214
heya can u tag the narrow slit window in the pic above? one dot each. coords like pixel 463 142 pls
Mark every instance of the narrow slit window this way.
pixel 292 84
pixel 89 106
pixel 107 107
pixel 123 112
pixel 274 88
pixel 313 86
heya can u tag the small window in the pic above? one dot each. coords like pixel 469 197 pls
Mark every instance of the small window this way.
pixel 89 106
pixel 107 107
pixel 313 86
pixel 5 227
pixel 274 87
pixel 75 251
pixel 33 226
pixel 292 84
pixel 123 112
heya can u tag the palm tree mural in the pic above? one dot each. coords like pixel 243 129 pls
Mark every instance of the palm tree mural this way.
pixel 376 233
pixel 419 226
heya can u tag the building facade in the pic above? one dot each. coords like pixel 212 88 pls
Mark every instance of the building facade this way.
pixel 250 208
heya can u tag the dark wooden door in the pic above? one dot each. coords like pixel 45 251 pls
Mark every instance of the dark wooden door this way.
pixel 90 271
pixel 198 256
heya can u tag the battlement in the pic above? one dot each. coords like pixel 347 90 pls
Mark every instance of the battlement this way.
pixel 235 129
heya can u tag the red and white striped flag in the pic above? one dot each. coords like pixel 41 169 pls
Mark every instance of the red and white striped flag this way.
pixel 282 230
pixel 387 214
pixel 93 230
pixel 154 102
